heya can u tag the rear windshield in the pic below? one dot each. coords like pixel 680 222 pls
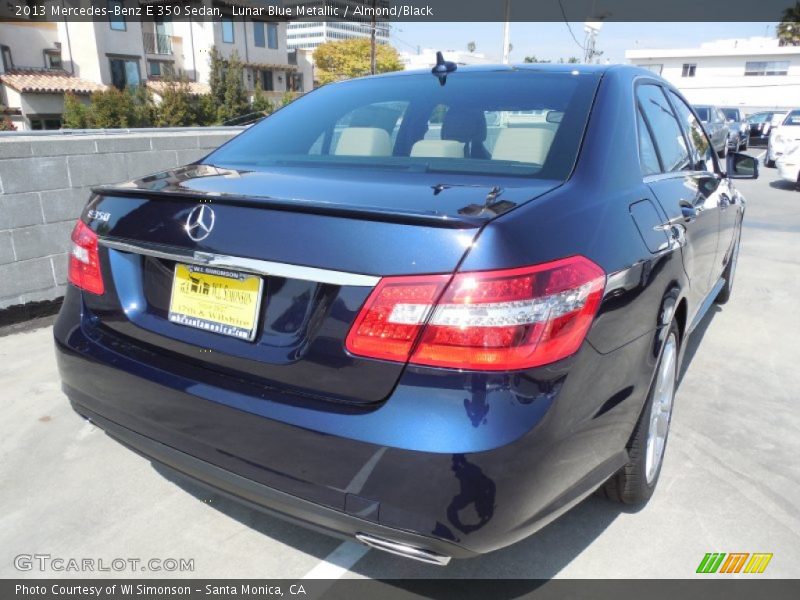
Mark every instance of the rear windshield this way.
pixel 518 123
pixel 793 118
pixel 732 114
pixel 702 112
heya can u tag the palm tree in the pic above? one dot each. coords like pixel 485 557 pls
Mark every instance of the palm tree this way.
pixel 789 27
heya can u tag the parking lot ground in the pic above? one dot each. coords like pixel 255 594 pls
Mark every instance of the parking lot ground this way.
pixel 730 482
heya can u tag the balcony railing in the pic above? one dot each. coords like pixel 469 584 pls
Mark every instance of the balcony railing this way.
pixel 155 43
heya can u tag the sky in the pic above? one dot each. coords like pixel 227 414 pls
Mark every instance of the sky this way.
pixel 552 41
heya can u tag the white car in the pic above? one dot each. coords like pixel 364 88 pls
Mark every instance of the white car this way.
pixel 783 137
pixel 789 164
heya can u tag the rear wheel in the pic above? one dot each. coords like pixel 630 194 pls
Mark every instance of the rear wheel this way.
pixel 729 273
pixel 636 481
pixel 770 164
pixel 724 152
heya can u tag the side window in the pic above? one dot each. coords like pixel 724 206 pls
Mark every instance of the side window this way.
pixel 647 150
pixel 704 161
pixel 667 134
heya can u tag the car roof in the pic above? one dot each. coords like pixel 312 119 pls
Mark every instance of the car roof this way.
pixel 537 67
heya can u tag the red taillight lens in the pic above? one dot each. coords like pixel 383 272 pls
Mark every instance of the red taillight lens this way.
pixel 488 320
pixel 84 261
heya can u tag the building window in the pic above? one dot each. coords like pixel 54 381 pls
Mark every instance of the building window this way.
pixel 294 82
pixel 124 72
pixel 40 122
pixel 258 34
pixel 689 69
pixel 8 64
pixel 267 83
pixel 227 31
pixel 115 17
pixel 655 68
pixel 272 35
pixel 159 68
pixel 52 59
pixel 767 67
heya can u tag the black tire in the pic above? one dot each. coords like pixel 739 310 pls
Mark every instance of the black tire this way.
pixel 729 273
pixel 724 152
pixel 770 164
pixel 629 485
pixel 745 143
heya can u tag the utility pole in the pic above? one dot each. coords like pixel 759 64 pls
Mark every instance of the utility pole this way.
pixel 507 33
pixel 373 67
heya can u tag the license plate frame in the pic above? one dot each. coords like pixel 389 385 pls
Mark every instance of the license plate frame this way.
pixel 202 296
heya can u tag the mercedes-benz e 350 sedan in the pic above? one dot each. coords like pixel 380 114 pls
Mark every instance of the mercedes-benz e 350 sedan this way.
pixel 430 312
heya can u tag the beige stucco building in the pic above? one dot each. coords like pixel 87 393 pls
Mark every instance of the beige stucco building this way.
pixel 40 61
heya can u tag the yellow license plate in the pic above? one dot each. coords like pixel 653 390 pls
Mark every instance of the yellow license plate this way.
pixel 216 300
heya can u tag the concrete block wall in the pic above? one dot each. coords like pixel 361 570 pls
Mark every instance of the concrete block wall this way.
pixel 45 181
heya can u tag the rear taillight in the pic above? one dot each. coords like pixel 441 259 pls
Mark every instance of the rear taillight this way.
pixel 84 261
pixel 484 320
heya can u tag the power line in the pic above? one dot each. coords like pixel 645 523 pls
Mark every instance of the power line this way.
pixel 566 22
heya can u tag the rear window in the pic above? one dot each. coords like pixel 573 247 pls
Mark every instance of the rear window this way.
pixel 793 118
pixel 515 123
pixel 732 114
pixel 702 112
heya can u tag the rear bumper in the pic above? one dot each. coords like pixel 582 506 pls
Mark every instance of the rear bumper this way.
pixel 261 497
pixel 512 452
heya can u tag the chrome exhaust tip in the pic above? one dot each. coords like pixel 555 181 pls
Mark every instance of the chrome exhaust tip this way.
pixel 405 550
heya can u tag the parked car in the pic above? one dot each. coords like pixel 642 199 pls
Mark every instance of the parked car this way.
pixel 784 137
pixel 433 346
pixel 789 165
pixel 761 123
pixel 738 130
pixel 716 126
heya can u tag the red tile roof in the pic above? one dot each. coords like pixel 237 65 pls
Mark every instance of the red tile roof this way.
pixel 48 82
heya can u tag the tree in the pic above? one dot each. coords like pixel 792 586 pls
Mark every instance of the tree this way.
pixel 471 47
pixel 75 113
pixel 234 102
pixel 260 101
pixel 216 78
pixel 204 109
pixel 7 125
pixel 143 107
pixel 176 108
pixel 111 108
pixel 533 59
pixel 788 30
pixel 346 59
pixel 287 98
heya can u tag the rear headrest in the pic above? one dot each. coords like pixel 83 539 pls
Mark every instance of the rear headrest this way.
pixel 364 141
pixel 438 149
pixel 524 144
pixel 464 125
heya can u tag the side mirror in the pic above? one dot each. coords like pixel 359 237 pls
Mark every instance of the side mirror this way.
pixel 742 166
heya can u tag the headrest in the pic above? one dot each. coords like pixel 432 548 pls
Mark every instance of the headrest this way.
pixel 464 125
pixel 364 141
pixel 438 149
pixel 523 144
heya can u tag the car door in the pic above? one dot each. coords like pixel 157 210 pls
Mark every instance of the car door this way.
pixel 722 199
pixel 685 187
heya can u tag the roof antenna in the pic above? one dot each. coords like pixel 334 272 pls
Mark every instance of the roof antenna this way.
pixel 443 67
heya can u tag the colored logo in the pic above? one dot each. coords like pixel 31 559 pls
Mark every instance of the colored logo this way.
pixel 735 562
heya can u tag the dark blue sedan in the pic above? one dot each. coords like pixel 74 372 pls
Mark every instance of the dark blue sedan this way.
pixel 428 311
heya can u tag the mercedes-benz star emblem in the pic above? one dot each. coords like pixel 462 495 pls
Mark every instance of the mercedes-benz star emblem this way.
pixel 200 222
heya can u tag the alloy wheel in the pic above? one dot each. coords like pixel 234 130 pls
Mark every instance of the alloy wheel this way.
pixel 661 409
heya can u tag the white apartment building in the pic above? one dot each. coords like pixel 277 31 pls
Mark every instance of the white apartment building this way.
pixel 754 73
pixel 307 35
pixel 426 58
pixel 41 61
